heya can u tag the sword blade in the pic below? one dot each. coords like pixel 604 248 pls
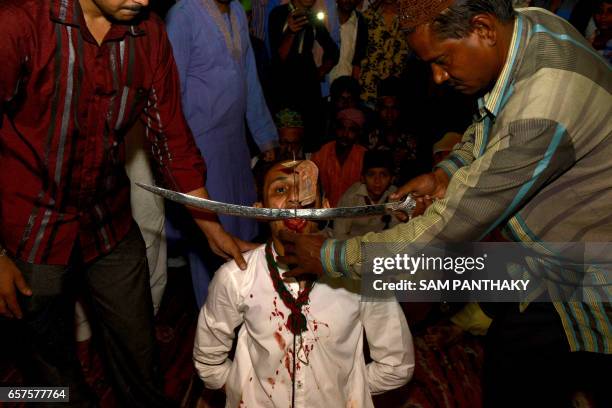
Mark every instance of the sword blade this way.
pixel 281 213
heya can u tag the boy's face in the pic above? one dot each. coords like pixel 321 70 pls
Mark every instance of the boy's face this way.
pixel 345 100
pixel 292 185
pixel 603 17
pixel 388 110
pixel 377 180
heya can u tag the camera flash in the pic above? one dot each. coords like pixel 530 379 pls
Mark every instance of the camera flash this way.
pixel 320 16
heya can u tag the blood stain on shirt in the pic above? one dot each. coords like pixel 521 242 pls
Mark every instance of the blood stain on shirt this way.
pixel 280 341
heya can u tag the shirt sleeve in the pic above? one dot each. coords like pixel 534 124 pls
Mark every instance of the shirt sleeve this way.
pixel 258 116
pixel 525 157
pixel 472 319
pixel 342 226
pixel 178 25
pixel 461 155
pixel 13 51
pixel 331 52
pixel 390 344
pixel 174 148
pixel 218 319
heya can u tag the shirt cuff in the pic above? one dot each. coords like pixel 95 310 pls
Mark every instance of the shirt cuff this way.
pixel 187 177
pixel 333 258
pixel 450 165
pixel 272 144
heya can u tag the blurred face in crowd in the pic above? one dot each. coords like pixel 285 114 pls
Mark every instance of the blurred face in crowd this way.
pixel 345 100
pixel 377 180
pixel 281 190
pixel 346 6
pixel 290 141
pixel 347 133
pixel 603 17
pixel 120 10
pixel 471 64
pixel 388 111
pixel 303 4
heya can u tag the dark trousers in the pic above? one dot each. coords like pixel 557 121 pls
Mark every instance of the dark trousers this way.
pixel 528 362
pixel 116 289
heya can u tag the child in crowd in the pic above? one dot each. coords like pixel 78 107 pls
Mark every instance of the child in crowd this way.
pixel 374 188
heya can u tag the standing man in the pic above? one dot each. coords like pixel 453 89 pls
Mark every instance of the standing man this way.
pixel 75 76
pixel 220 89
pixel 294 31
pixel 352 40
pixel 536 162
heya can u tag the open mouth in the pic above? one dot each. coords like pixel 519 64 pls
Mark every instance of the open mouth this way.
pixel 295 224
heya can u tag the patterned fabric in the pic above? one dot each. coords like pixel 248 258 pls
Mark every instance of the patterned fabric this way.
pixel 386 54
pixel 536 161
pixel 61 150
pixel 448 376
pixel 417 12
pixel 287 118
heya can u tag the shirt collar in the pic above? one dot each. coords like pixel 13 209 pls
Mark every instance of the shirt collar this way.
pixel 362 191
pixel 69 12
pixel 494 100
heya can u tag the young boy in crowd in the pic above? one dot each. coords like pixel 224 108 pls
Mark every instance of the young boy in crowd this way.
pixel 374 188
pixel 301 343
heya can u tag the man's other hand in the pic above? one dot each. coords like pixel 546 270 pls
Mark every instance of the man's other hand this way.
pixel 11 278
pixel 224 244
pixel 296 21
pixel 302 252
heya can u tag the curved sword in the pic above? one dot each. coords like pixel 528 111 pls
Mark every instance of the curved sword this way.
pixel 282 213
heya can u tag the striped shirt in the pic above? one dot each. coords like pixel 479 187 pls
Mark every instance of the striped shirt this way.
pixel 67 103
pixel 536 161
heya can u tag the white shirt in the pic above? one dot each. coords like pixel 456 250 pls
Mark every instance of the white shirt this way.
pixel 348 38
pixel 330 368
pixel 356 195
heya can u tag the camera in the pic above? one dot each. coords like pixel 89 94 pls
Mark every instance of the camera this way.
pixel 314 17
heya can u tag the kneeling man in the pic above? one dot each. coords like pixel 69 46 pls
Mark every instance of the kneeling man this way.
pixel 301 343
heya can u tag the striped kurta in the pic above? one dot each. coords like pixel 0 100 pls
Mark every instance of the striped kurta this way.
pixel 536 162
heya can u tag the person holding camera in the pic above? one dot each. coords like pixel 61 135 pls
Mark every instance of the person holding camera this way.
pixel 293 30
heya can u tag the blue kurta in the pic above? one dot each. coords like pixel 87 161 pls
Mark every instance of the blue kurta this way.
pixel 219 92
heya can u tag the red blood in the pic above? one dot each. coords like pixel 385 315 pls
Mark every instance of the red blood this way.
pixel 280 341
pixel 288 365
pixel 295 224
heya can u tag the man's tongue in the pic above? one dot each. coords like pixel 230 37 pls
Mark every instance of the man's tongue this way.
pixel 295 224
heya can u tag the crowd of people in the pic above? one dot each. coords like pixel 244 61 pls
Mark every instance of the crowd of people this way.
pixel 278 104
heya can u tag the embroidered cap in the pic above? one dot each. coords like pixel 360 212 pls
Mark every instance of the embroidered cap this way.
pixel 413 13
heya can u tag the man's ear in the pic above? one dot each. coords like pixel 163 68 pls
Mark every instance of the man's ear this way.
pixel 258 205
pixel 485 27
